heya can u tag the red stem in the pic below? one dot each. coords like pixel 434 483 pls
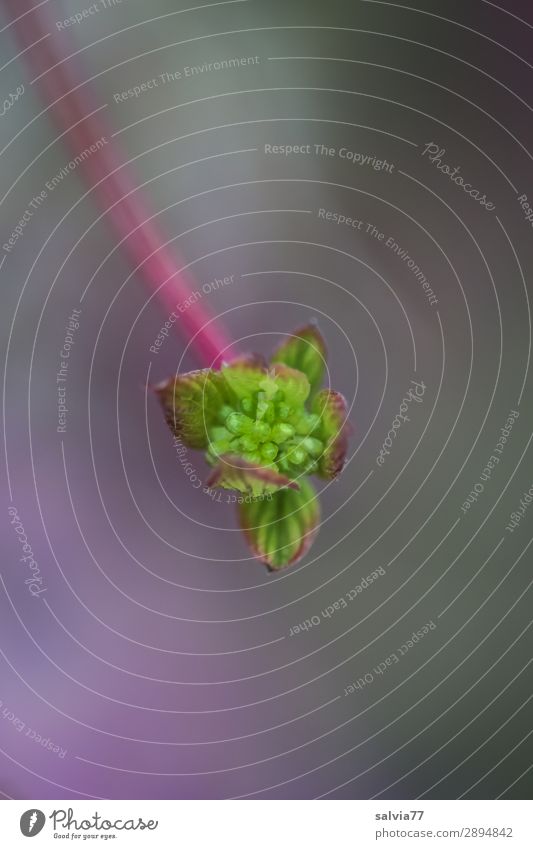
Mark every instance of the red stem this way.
pixel 70 103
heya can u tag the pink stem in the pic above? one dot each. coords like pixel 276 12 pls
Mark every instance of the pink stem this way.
pixel 70 104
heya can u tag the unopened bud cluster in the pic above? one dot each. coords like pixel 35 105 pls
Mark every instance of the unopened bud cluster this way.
pixel 268 432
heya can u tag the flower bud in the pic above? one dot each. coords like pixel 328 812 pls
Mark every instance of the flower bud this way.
pixel 313 446
pixel 282 432
pixel 238 423
pixel 297 456
pixel 261 430
pixel 269 451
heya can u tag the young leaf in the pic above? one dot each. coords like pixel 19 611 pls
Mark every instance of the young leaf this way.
pixel 191 402
pixel 251 361
pixel 304 350
pixel 332 431
pixel 237 473
pixel 293 383
pixel 281 530
pixel 244 376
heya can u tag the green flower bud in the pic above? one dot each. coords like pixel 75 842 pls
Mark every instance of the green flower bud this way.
pixel 224 412
pixel 254 457
pixel 297 456
pixel 281 432
pixel 264 428
pixel 238 423
pixel 313 446
pixel 307 423
pixel 270 415
pixel 269 451
pixel 262 405
pixel 261 430
pixel 219 448
pixel 248 443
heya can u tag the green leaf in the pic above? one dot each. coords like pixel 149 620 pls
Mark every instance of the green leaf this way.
pixel 304 350
pixel 281 530
pixel 293 383
pixel 236 473
pixel 332 430
pixel 191 403
pixel 244 375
